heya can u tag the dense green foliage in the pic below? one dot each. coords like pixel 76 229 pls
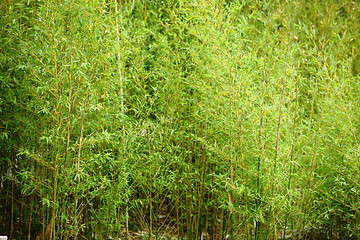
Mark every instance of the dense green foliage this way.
pixel 197 119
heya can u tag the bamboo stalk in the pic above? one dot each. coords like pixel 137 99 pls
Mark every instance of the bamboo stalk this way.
pixel 278 129
pixel 54 201
pixel 262 149
pixel 79 151
pixel 121 95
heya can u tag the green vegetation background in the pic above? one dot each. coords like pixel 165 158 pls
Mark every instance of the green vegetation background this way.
pixel 192 118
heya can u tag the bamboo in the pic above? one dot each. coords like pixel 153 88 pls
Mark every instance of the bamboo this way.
pixel 260 158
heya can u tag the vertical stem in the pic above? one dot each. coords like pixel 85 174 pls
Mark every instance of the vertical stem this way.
pixel 274 174
pixel 119 67
pixel 177 209
pixel 79 150
pixel 262 148
pixel 291 156
pixel 30 219
pixel 231 170
pixel 12 208
pixel 127 217
pixel 278 129
pixel 121 94
pixel 150 214
pixel 232 157
pixel 288 189
pixel 53 210
pixel 313 158
pixel 68 121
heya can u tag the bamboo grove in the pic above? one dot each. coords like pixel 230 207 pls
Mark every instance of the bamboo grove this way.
pixel 206 119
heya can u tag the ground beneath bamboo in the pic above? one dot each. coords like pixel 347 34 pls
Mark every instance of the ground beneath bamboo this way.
pixel 170 233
